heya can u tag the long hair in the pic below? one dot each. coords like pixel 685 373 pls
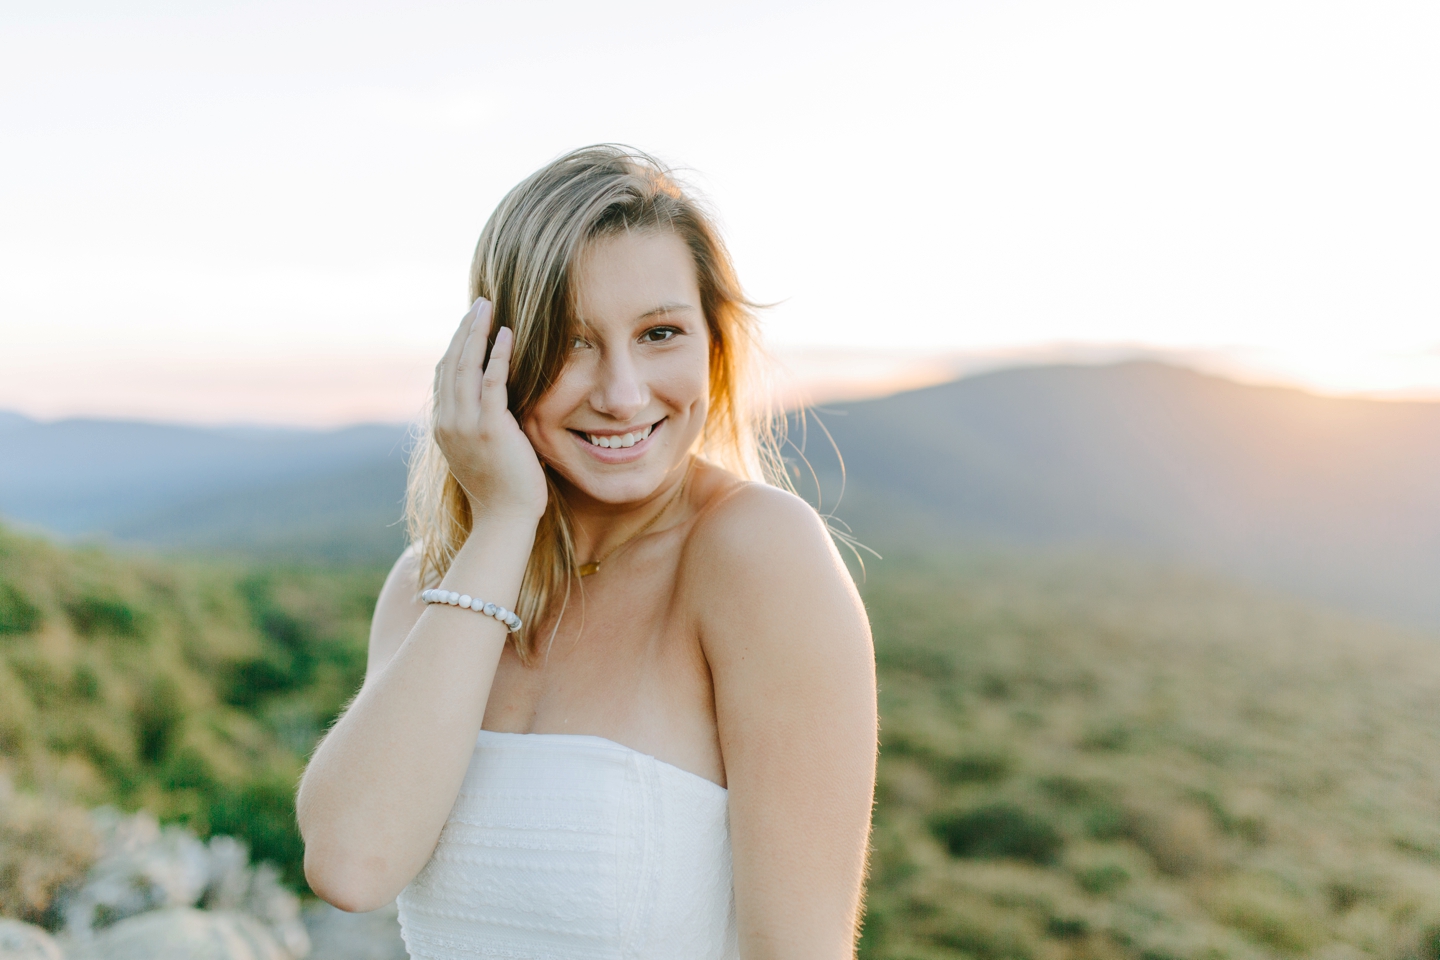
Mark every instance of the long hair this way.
pixel 524 264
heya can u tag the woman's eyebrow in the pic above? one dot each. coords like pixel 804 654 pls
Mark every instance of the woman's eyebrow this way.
pixel 666 308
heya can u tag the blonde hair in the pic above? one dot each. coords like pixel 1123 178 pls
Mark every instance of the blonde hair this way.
pixel 524 265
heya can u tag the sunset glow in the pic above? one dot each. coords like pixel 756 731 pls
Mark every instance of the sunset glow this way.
pixel 264 212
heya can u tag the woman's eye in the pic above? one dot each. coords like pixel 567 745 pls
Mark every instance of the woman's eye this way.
pixel 659 334
pixel 577 342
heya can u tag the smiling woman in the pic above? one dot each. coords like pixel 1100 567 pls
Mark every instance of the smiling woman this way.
pixel 668 749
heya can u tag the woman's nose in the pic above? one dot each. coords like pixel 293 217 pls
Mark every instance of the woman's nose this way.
pixel 619 392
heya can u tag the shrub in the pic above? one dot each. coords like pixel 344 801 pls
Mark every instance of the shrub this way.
pixel 1067 927
pixel 1109 738
pixel 43 682
pixel 247 682
pixel 262 812
pixel 1063 788
pixel 159 715
pixel 92 615
pixel 980 767
pixel 998 830
pixel 1102 879
pixel 85 683
pixel 1105 820
pixel 1430 944
pixel 17 613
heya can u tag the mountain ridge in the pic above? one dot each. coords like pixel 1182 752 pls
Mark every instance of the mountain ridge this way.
pixel 1325 495
pixel 1331 498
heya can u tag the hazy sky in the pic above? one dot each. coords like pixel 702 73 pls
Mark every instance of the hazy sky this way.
pixel 264 211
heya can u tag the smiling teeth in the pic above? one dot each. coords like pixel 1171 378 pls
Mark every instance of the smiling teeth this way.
pixel 623 440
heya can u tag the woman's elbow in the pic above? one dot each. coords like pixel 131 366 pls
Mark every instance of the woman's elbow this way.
pixel 346 882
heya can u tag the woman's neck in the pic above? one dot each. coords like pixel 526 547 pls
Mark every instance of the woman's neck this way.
pixel 600 528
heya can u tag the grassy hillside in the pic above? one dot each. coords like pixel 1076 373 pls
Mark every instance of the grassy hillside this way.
pixel 1082 758
pixel 194 691
pixel 1087 759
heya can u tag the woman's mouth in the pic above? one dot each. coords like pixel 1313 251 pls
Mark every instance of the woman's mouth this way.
pixel 612 441
pixel 617 447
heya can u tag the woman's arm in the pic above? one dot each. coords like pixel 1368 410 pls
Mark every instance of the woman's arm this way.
pixel 381 784
pixel 789 650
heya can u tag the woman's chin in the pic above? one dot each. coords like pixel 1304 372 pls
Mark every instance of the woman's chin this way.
pixel 633 482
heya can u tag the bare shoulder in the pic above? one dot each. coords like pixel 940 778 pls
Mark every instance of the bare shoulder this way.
pixel 760 563
pixel 396 610
pixel 746 526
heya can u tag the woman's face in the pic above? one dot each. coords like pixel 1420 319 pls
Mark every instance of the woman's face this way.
pixel 635 388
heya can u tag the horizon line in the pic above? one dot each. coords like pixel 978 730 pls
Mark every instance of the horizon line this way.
pixel 930 371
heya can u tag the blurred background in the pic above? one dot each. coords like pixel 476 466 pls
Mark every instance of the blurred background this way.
pixel 1113 329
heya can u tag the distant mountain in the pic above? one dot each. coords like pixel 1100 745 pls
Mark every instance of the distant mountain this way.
pixel 1329 498
pixel 305 492
pixel 1333 498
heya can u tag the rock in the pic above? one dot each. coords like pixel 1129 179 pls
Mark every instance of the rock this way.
pixel 337 935
pixel 182 933
pixel 141 867
pixel 270 902
pixel 24 941
pixel 144 867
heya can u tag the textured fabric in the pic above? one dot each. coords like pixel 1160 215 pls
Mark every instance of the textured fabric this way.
pixel 575 848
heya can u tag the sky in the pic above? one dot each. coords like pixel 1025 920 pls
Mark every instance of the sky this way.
pixel 264 212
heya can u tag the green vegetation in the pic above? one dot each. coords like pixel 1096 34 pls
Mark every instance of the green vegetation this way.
pixel 1086 758
pixel 1082 758
pixel 195 691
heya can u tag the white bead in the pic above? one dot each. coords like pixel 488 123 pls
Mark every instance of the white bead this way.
pixel 452 598
pixel 489 609
pixel 465 600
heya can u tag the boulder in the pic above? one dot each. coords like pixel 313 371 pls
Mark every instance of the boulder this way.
pixel 144 867
pixel 25 941
pixel 182 933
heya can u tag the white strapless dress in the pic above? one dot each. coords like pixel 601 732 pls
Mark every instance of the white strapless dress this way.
pixel 575 848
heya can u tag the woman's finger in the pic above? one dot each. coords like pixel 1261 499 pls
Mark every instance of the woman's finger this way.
pixel 472 356
pixel 444 370
pixel 493 396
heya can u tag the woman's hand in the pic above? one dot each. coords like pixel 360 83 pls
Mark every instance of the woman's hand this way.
pixel 487 451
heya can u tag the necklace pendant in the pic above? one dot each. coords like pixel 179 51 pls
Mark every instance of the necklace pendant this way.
pixel 586 569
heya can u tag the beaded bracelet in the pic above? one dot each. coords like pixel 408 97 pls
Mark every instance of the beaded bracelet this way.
pixel 512 622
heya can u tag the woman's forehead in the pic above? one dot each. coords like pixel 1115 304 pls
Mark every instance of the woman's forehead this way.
pixel 633 276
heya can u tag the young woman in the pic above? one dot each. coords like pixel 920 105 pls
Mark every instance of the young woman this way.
pixel 668 749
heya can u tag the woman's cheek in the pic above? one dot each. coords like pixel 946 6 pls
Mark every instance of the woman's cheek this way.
pixel 539 439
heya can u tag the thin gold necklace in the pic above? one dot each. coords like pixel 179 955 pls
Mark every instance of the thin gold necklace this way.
pixel 586 569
